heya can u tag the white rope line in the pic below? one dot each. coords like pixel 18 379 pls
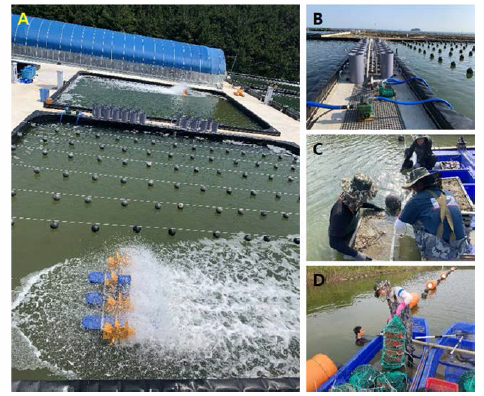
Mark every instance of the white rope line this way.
pixel 147 179
pixel 144 227
pixel 156 162
pixel 155 151
pixel 148 201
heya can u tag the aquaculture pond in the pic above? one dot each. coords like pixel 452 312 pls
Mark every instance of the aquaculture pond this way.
pixel 378 156
pixel 155 100
pixel 333 310
pixel 214 259
pixel 450 83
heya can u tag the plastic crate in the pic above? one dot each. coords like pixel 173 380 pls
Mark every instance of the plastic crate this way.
pixel 438 385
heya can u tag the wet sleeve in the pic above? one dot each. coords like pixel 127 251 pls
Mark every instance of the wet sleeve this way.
pixel 407 297
pixel 341 246
pixel 409 213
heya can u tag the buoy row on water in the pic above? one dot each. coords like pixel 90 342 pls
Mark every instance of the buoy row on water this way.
pixel 431 285
pixel 114 301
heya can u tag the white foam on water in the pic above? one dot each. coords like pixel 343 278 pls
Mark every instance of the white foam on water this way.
pixel 205 309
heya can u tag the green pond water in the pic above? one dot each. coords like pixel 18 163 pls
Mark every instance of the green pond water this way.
pixel 334 309
pixel 378 156
pixel 204 307
pixel 155 101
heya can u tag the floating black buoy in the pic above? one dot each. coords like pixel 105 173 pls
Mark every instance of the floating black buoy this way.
pixel 469 71
pixel 253 193
pixel 36 170
pixel 123 180
pixel 258 163
pixel 211 159
pixel 87 199
pixel 14 147
pixel 176 168
pixel 293 167
pixel 95 177
pixel 124 149
pixel 263 213
pixel 218 209
pixel 452 65
pixel 297 241
pixel 125 162
pixel 65 173
pixel 95 228
pixel 14 193
pixel 170 155
pixel 99 158
pixel 285 215
pixel 229 190
pixel 248 238
pixel 192 156
pixel 70 155
pixel 236 162
pixel 240 211
pixel 151 183
pixel 461 58
pixel 450 53
pixel 244 175
pixel 71 142
pixel 135 140
pixel 290 179
pixel 203 188
pixel 194 148
pixel 280 156
pixel 196 169
pixel 180 206
pixel 153 142
pixel 101 146
pixel 137 229
pixel 271 177
pixel 461 51
pixel 148 152
pixel 276 166
pixel 117 138
pixel 266 238
pixel 148 164
pixel 424 52
pixel 440 60
pixel 176 185
pixel 124 203
pixel 278 194
pixel 470 53
pixel 45 152
pixel 264 155
pixel 44 139
pixel 401 138
pixel 13 221
pixel 219 172
pixel 175 144
pixel 97 135
pixel 171 231
pixel 157 206
pixel 216 234
pixel 242 152
pixel 211 149
pixel 227 151
pixel 431 56
pixel 54 225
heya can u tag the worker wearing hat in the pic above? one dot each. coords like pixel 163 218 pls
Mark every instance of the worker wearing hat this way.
pixel 424 157
pixel 398 300
pixel 344 213
pixel 435 216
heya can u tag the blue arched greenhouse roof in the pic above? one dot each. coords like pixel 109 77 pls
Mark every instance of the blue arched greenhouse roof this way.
pixel 43 33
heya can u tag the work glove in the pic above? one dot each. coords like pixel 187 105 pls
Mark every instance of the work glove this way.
pixel 362 257
pixel 400 308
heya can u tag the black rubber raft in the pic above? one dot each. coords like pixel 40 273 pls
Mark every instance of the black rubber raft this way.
pixel 265 127
pixel 209 385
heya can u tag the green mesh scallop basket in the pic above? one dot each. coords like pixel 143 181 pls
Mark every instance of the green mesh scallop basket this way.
pixel 344 388
pixel 391 381
pixel 467 381
pixel 363 377
pixel 393 350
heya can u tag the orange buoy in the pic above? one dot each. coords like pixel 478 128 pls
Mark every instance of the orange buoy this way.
pixel 431 285
pixel 415 300
pixel 48 101
pixel 318 369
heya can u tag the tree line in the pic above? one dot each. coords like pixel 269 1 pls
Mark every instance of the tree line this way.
pixel 257 39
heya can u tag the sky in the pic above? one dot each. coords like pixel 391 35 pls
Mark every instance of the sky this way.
pixel 430 18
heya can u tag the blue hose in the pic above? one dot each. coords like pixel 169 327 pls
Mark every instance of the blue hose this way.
pixel 326 106
pixel 394 81
pixel 415 103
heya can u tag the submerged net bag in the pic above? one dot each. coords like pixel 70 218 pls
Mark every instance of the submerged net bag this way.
pixel 344 388
pixel 393 350
pixel 363 377
pixel 391 381
pixel 467 381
